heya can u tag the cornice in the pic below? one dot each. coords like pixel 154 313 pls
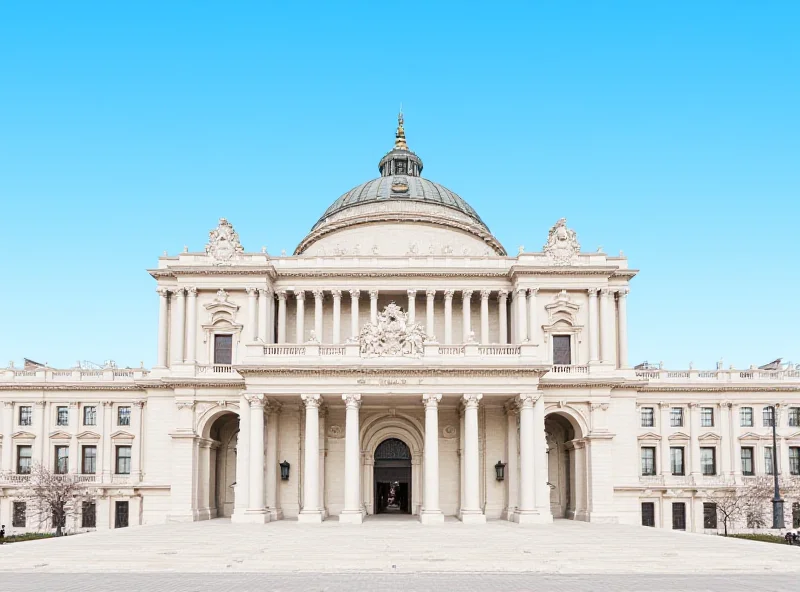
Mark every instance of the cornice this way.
pixel 334 273
pixel 213 270
pixel 619 383
pixel 389 372
pixel 75 386
pixel 720 388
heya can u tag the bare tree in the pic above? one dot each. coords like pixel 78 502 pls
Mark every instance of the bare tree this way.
pixel 733 504
pixel 751 502
pixel 53 498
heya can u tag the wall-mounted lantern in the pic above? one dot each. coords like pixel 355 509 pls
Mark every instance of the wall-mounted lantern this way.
pixel 500 469
pixel 285 471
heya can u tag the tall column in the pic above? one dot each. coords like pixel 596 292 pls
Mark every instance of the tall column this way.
pixel 354 330
pixel 520 300
pixel 319 298
pixel 178 335
pixel 105 443
pixel 100 460
pixel 257 511
pixel 163 326
pixel 606 327
pixel 42 419
pixel 734 445
pixel 72 419
pixel 263 315
pixel 272 467
pixel 412 305
pixel 281 316
pixel 502 324
pixel 137 411
pixel 526 511
pixel 623 328
pixel 8 428
pixel 694 442
pixel 311 511
pixel 430 296
pixel 471 512
pixel 448 317
pixel 351 513
pixel 512 466
pixel 466 315
pixel 241 491
pixel 724 426
pixel 270 336
pixel 252 326
pixel 337 316
pixel 191 325
pixel 485 316
pixel 540 462
pixel 594 326
pixel 533 330
pixel 431 513
pixel 373 307
pixel 666 467
pixel 300 329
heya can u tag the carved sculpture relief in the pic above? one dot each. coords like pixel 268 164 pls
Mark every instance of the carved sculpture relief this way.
pixel 562 246
pixel 223 243
pixel 392 335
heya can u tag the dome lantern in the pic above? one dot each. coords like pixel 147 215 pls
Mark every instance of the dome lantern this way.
pixel 400 160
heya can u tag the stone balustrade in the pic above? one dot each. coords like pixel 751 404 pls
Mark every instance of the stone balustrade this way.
pixel 729 375
pixel 73 375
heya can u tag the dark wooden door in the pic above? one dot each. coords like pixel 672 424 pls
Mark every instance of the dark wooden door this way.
pixel 678 516
pixel 121 515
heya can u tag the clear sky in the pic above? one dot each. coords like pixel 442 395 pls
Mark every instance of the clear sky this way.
pixel 670 130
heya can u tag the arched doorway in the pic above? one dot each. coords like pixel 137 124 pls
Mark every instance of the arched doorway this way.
pixel 392 477
pixel 223 433
pixel 566 467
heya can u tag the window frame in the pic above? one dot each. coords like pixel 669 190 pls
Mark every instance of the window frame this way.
pixel 643 461
pixel 84 449
pixel 19 514
pixel 676 413
pixel 709 515
pixel 62 421
pixel 794 460
pixel 214 348
pixel 767 411
pixel 57 468
pixel 650 515
pixel 89 519
pixel 713 451
pixel 118 458
pixel 124 417
pixel 568 337
pixel 647 412
pixel 706 417
pixel 769 466
pixel 25 415
pixel 90 410
pixel 746 417
pixel 750 460
pixel 682 450
pixel 20 448
pixel 794 417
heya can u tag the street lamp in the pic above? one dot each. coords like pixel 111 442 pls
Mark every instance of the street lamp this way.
pixel 284 471
pixel 777 502
pixel 500 470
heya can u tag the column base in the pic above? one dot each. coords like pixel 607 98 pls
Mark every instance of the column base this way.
pixel 473 517
pixel 432 517
pixel 310 517
pixel 525 517
pixel 251 517
pixel 275 514
pixel 351 517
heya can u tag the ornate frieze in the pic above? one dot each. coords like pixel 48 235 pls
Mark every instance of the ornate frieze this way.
pixel 562 247
pixel 392 335
pixel 223 244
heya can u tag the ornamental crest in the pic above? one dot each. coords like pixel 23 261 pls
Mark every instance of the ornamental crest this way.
pixel 223 243
pixel 562 246
pixel 392 335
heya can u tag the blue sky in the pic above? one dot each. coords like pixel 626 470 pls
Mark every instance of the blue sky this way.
pixel 670 130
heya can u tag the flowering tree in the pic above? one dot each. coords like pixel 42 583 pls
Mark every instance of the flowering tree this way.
pixel 53 498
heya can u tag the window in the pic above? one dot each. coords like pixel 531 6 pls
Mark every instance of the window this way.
pixel 768 462
pixel 676 460
pixel 707 417
pixel 19 514
pixel 90 415
pixel 62 460
pixel 223 349
pixel 88 515
pixel 648 460
pixel 676 417
pixel 647 417
pixel 62 415
pixel 795 515
pixel 120 514
pixel 124 416
pixel 794 417
pixel 24 460
pixel 794 460
pixel 89 460
pixel 123 460
pixel 768 414
pixel 562 350
pixel 25 415
pixel 709 515
pixel 678 516
pixel 747 461
pixel 648 514
pixel 708 461
pixel 746 417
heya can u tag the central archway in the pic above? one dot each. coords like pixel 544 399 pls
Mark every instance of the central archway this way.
pixel 392 477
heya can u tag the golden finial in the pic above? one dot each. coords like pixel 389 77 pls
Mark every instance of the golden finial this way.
pixel 400 136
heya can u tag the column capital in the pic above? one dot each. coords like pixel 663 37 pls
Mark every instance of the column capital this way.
pixel 105 403
pixel 139 403
pixel 252 292
pixel 520 292
pixel 312 401
pixel 471 400
pixel 191 291
pixel 72 404
pixel 466 294
pixel 592 291
pixel 43 403
pixel 533 291
pixel 318 294
pixel 604 292
pixel 300 295
pixel 430 293
pixel 256 400
pixel 281 295
pixel 502 294
pixel 8 403
pixel 337 294
pixel 431 401
pixel 163 292
pixel 511 407
pixel 623 293
pixel 352 401
pixel 373 294
pixel 448 294
pixel 411 293
pixel 485 293
pixel 265 291
pixel 179 292
pixel 525 400
pixel 692 405
pixel 355 294
pixel 663 404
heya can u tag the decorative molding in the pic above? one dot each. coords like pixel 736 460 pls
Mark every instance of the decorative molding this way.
pixel 312 401
pixel 562 247
pixel 223 244
pixel 335 432
pixel 431 400
pixel 352 400
pixel 449 432
pixel 392 335
pixel 649 436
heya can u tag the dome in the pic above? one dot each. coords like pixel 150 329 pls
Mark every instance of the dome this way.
pixel 404 212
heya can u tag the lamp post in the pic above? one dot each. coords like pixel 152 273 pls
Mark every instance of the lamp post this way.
pixel 777 502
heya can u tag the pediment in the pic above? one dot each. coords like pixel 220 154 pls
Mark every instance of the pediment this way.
pixel 23 435
pixel 649 436
pixel 795 436
pixel 60 435
pixel 122 435
pixel 678 436
pixel 750 436
pixel 709 437
pixel 87 435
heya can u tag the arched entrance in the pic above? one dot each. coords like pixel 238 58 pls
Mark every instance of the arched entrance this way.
pixel 392 477
pixel 566 466
pixel 222 439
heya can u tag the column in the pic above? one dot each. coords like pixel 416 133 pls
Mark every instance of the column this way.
pixel 782 419
pixel 694 442
pixel 734 445
pixel 191 325
pixel 373 307
pixel 8 429
pixel 448 317
pixel 512 466
pixel 430 296
pixel 520 300
pixel 542 489
pixel 72 418
pixel 101 453
pixel 485 316
pixel 354 328
pixel 263 315
pixel 412 305
pixel 661 427
pixel 466 315
pixel 533 330
pixel 272 467
pixel 502 305
pixel 178 327
pixel 471 512
pixel 256 511
pixel 623 328
pixel 725 435
pixel 526 511
pixel 281 316
pixel 108 453
pixel 241 499
pixel 606 327
pixel 300 330
pixel 594 326
pixel 163 326
pixel 431 513
pixel 351 513
pixel 337 316
pixel 311 511
pixel 136 447
pixel 319 298
pixel 251 334
pixel 42 419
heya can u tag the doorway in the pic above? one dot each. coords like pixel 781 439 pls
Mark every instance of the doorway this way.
pixel 121 515
pixel 392 477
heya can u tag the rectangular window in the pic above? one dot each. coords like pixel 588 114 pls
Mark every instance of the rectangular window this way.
pixel 678 516
pixel 124 416
pixel 62 460
pixel 707 417
pixel 24 460
pixel 123 460
pixel 746 417
pixel 747 461
pixel 88 515
pixel 648 460
pixel 676 417
pixel 223 349
pixel 25 415
pixel 648 418
pixel 768 463
pixel 562 350
pixel 89 460
pixel 19 515
pixel 120 514
pixel 648 514
pixel 708 461
pixel 709 515
pixel 676 460
pixel 90 415
pixel 794 417
pixel 794 460
pixel 768 414
pixel 62 415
